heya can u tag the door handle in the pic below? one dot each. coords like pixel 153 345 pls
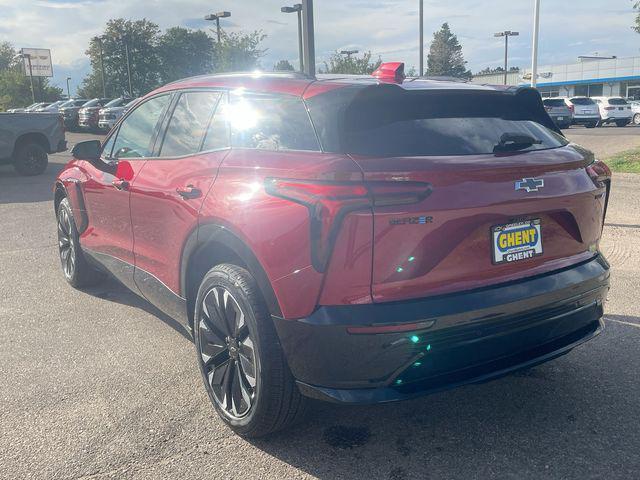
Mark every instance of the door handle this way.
pixel 120 184
pixel 188 192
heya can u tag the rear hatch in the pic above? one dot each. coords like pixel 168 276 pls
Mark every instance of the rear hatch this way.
pixel 557 109
pixel 509 197
pixel 618 108
pixel 585 107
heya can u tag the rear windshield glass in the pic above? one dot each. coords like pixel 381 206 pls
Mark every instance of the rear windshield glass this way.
pixel 554 102
pixel 617 101
pixel 582 101
pixel 439 123
pixel 92 103
pixel 117 102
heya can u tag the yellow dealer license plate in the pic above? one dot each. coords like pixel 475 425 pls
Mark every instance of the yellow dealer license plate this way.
pixel 516 241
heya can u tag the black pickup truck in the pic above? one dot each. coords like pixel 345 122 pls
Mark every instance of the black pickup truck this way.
pixel 26 139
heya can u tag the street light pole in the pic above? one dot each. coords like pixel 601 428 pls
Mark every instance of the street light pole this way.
pixel 298 9
pixel 506 34
pixel 348 53
pixel 534 51
pixel 421 38
pixel 126 51
pixel 217 17
pixel 308 44
pixel 68 89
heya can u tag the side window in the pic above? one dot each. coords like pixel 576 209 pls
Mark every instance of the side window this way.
pixel 270 122
pixel 188 123
pixel 134 138
pixel 218 131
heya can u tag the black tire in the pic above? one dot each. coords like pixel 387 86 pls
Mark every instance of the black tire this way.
pixel 622 123
pixel 75 268
pixel 30 159
pixel 591 125
pixel 229 305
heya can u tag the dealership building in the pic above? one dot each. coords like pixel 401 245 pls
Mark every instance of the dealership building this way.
pixel 590 77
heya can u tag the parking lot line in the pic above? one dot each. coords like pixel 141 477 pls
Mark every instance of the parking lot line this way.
pixel 623 323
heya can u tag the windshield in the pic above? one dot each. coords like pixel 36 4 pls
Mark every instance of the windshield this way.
pixel 554 102
pixel 117 102
pixel 92 103
pixel 617 101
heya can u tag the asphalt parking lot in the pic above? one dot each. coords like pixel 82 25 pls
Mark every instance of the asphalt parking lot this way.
pixel 98 384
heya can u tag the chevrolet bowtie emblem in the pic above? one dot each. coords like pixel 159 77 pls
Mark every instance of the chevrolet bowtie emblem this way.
pixel 530 184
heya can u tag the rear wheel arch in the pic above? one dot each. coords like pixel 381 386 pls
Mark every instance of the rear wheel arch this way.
pixel 59 193
pixel 212 245
pixel 28 138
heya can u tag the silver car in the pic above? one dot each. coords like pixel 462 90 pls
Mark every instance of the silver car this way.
pixel 559 112
pixel 113 111
pixel 635 109
pixel 585 111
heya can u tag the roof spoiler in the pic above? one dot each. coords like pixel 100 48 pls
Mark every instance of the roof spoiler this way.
pixel 390 72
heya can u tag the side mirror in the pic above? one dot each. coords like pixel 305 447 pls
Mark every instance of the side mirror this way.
pixel 89 150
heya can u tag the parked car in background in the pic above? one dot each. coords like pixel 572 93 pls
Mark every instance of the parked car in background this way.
pixel 22 109
pixel 42 106
pixel 69 112
pixel 26 140
pixel 585 111
pixel 53 108
pixel 635 110
pixel 559 111
pixel 354 240
pixel 614 110
pixel 112 112
pixel 88 114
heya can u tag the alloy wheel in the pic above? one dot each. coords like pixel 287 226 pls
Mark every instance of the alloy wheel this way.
pixel 66 244
pixel 227 353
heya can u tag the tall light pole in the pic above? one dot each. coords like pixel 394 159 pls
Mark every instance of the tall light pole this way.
pixel 506 34
pixel 308 38
pixel 98 40
pixel 297 8
pixel 68 89
pixel 534 51
pixel 217 17
pixel 421 38
pixel 123 39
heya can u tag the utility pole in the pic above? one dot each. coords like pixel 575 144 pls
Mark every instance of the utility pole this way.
pixel 104 87
pixel 534 52
pixel 421 38
pixel 506 34
pixel 126 51
pixel 308 44
pixel 68 89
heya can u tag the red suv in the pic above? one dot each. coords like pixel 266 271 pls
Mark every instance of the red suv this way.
pixel 355 240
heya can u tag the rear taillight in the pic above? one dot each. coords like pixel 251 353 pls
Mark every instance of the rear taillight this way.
pixel 548 109
pixel 609 108
pixel 572 109
pixel 328 202
pixel 601 176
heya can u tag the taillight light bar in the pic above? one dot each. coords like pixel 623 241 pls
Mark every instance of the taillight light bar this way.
pixel 600 174
pixel 328 202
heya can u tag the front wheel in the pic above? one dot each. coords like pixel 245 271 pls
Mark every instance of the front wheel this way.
pixel 240 358
pixel 636 119
pixel 622 123
pixel 30 159
pixel 592 125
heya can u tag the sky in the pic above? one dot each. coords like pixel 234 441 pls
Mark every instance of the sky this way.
pixel 387 28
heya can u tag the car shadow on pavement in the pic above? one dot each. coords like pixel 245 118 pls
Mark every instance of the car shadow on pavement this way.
pixel 113 291
pixel 557 420
pixel 15 188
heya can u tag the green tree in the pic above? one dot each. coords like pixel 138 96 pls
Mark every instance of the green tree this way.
pixel 351 64
pixel 141 37
pixel 238 52
pixel 636 7
pixel 445 55
pixel 489 70
pixel 184 53
pixel 283 66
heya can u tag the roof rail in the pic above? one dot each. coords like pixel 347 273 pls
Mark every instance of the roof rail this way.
pixel 256 73
pixel 443 78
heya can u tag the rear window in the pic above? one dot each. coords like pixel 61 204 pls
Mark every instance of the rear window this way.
pixel 554 102
pixel 617 101
pixel 389 122
pixel 92 103
pixel 582 101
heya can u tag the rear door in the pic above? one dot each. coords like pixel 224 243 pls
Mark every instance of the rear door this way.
pixel 169 192
pixel 501 208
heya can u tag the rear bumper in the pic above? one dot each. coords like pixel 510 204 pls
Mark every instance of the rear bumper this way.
pixel 585 119
pixel 464 338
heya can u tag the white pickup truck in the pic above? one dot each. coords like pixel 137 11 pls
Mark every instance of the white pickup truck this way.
pixel 26 139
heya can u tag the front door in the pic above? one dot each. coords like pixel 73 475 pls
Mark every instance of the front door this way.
pixel 108 237
pixel 169 191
